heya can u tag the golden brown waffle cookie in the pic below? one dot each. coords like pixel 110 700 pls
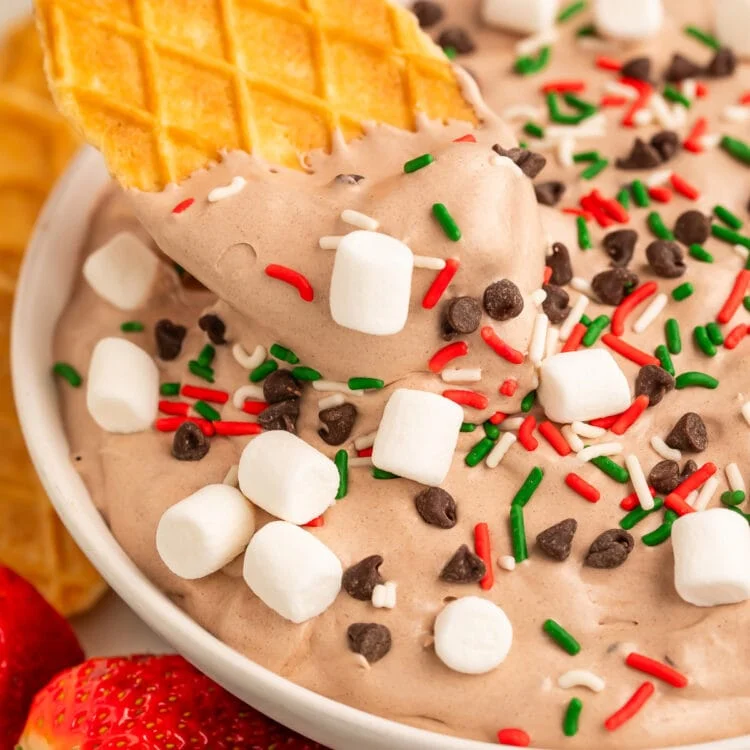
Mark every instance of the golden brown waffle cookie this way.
pixel 163 87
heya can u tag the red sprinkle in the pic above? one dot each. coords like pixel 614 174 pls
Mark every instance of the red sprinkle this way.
pixel 237 428
pixel 644 97
pixel 695 480
pixel 525 436
pixel 497 345
pixel 628 418
pixel 254 407
pixel 590 204
pixel 692 142
pixel 513 737
pixel 315 523
pixel 608 63
pixel 629 351
pixel 440 284
pixel 555 438
pixel 365 452
pixel 683 187
pixel 578 212
pixel 441 358
pixel 612 207
pixel 660 194
pixel 631 502
pixel 564 87
pixel 176 408
pixel 184 206
pixel 509 387
pixel 604 422
pixel 170 424
pixel 656 669
pixel 575 338
pixel 610 100
pixel 292 277
pixel 745 98
pixel 735 336
pixel 467 398
pixel 701 90
pixel 734 300
pixel 547 274
pixel 483 548
pixel 497 417
pixel 205 394
pixel 678 504
pixel 582 487
pixel 626 307
pixel 633 705
pixel 468 138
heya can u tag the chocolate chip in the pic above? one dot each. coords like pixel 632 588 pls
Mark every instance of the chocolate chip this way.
pixel 427 13
pixel 556 305
pixel 360 579
pixel 689 434
pixel 463 567
pixel 642 156
pixel 667 143
pixel 723 64
pixel 620 246
pixel 281 386
pixel 463 315
pixel 214 327
pixel 549 193
pixel 281 416
pixel 689 468
pixel 437 507
pixel 338 422
pixel 638 68
pixel 610 549
pixel 681 68
pixel 457 38
pixel 653 381
pixel 665 476
pixel 349 179
pixel 556 541
pixel 529 162
pixel 371 640
pixel 503 300
pixel 613 286
pixel 189 443
pixel 559 261
pixel 692 227
pixel 666 259
pixel 169 338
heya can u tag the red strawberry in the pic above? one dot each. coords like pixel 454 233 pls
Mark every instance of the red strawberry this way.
pixel 35 644
pixel 147 702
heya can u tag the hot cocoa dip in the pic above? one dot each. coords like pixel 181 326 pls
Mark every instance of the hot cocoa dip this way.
pixel 615 601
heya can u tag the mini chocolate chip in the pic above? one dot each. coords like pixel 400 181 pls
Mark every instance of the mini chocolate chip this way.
pixel 559 261
pixel 437 507
pixel 427 13
pixel 529 162
pixel 613 286
pixel 642 156
pixel 281 386
pixel 360 579
pixel 338 422
pixel 556 304
pixel 463 567
pixel 464 314
pixel 214 327
pixel 681 68
pixel 457 38
pixel 189 443
pixel 665 476
pixel 557 540
pixel 169 338
pixel 549 193
pixel 369 639
pixel 349 179
pixel 689 434
pixel 666 259
pixel 689 468
pixel 620 246
pixel 667 143
pixel 610 549
pixel 723 64
pixel 638 68
pixel 281 416
pixel 692 227
pixel 503 300
pixel 653 381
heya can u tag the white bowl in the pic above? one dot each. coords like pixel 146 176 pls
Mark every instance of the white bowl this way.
pixel 47 278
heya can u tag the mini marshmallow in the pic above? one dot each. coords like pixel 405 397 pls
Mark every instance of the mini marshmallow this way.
pixel 732 24
pixel 371 283
pixel 287 477
pixel 581 385
pixel 384 595
pixel 521 16
pixel 291 571
pixel 123 387
pixel 205 531
pixel 472 635
pixel 712 557
pixel 417 436
pixel 122 271
pixel 631 21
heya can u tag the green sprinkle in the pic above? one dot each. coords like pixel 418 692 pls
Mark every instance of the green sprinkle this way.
pixel 572 714
pixel 697 252
pixel 561 637
pixel 656 224
pixel 733 498
pixel 263 371
pixel 736 148
pixel 660 535
pixel 365 384
pixel 523 144
pixel 746 302
pixel 556 114
pixel 610 468
pixel 169 389
pixel 479 452
pixel 380 474
pixel 569 11
pixel 696 380
pixel 518 533
pixel 179 270
pixel 491 430
pixel 468 427
pixel 307 374
pixel 68 372
pixel 732 221
pixel 746 516
pixel 638 514
pixel 662 354
pixel 585 320
pixel 528 65
pixel 342 464
pixel 595 169
pixel 201 371
pixel 623 198
pixel 683 291
pixel 595 330
pixel 584 238
pixel 206 411
pixel 534 130
pixel 132 326
pixel 703 341
pixel 674 340
pixel 450 52
pixel 580 104
pixel 729 235
pixel 414 165
pixel 446 221
pixel 714 334
pixel 703 36
pixel 675 95
pixel 529 487
pixel 640 194
pixel 284 354
pixel 583 156
pixel 528 402
pixel 586 30
pixel 206 357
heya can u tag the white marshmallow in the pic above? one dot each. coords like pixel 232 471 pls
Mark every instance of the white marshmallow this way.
pixel 291 571
pixel 123 387
pixel 632 20
pixel 472 635
pixel 712 557
pixel 582 385
pixel 287 477
pixel 417 436
pixel 371 283
pixel 122 272
pixel 732 24
pixel 521 16
pixel 205 531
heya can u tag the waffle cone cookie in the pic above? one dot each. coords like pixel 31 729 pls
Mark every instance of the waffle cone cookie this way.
pixel 163 88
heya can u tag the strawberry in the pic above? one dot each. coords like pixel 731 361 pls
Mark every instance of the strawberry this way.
pixel 148 703
pixel 35 644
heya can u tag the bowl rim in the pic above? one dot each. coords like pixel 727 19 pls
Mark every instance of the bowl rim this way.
pixel 304 710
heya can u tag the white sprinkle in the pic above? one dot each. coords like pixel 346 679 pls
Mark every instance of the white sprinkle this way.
pixel 620 89
pixel 710 141
pixel 538 297
pixel 742 251
pixel 357 219
pixel 329 402
pixel 660 177
pixel 359 461
pixel 553 339
pixel 584 287
pixel 462 375
pixel 638 480
pixel 651 313
pixel 497 454
pixel 661 111
pixel 574 317
pixel 692 498
pixel 538 339
pixel 330 242
pixel 432 264
pixel 746 411
pixel 231 476
pixel 594 43
pixel 679 115
pixel 331 385
pixel 245 392
pixel 588 431
pixel 593 127
pixel 734 478
pixel 667 453
pixel 521 112
pixel 384 595
pixel 596 451
pixel 706 493
pixel 511 423
pixel 689 88
pixel 506 562
pixel 227 191
pixel 365 441
pixel 530 45
pixel 643 117
pixel 582 677
pixel 565 151
pixel 575 443
pixel 736 113
pixel 249 361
